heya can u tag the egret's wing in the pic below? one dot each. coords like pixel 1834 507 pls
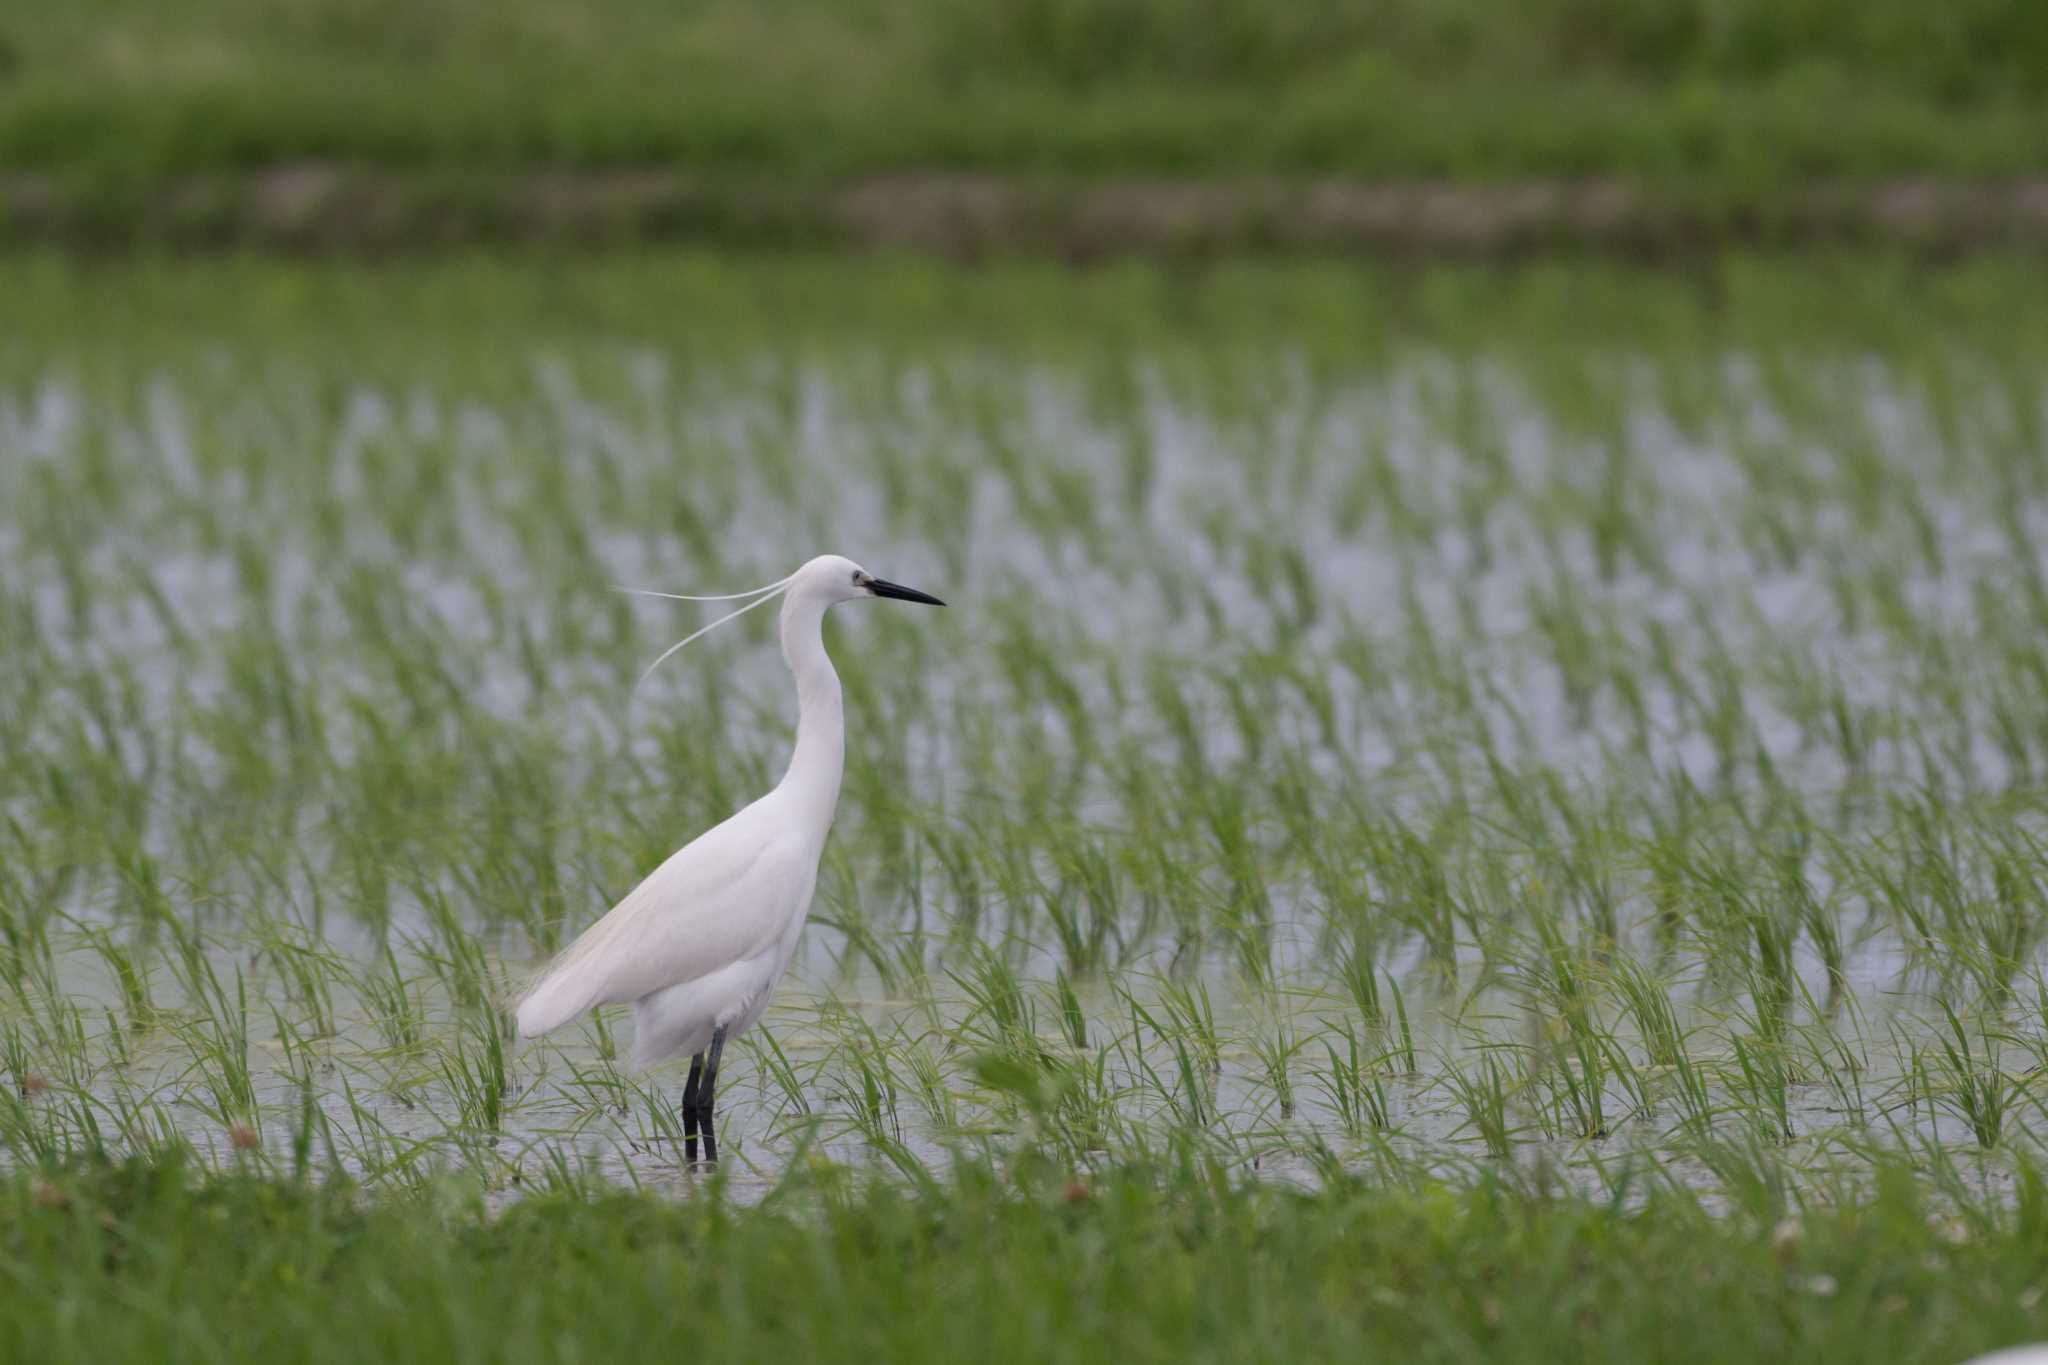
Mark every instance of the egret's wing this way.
pixel 722 898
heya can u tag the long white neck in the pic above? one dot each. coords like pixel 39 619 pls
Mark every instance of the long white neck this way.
pixel 820 757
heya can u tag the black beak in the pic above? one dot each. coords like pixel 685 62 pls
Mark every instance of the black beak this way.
pixel 882 588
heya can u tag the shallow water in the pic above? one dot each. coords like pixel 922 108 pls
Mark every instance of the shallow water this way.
pixel 324 670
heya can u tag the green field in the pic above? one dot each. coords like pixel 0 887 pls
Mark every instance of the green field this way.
pixel 1724 94
pixel 1452 810
pixel 138 1264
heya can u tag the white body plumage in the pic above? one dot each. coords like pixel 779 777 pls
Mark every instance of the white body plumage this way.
pixel 701 943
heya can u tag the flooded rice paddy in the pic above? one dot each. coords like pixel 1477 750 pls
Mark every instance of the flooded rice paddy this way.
pixel 1579 719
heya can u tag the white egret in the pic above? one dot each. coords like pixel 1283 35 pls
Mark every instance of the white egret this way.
pixel 698 945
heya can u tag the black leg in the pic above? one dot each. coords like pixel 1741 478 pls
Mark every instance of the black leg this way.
pixel 690 1088
pixel 707 1097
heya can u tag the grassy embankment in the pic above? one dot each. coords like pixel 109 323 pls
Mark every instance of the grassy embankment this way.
pixel 142 1264
pixel 439 120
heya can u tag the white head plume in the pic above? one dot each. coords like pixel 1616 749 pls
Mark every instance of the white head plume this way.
pixel 762 594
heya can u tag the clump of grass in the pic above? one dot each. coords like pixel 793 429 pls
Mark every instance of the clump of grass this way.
pixel 1969 1082
pixel 1352 1086
pixel 1483 1094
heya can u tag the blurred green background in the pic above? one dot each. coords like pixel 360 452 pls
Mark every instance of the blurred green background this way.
pixel 1722 100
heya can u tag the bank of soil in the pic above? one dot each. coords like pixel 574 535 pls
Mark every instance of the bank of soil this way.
pixel 318 207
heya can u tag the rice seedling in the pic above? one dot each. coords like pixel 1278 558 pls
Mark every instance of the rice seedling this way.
pixel 1969 1084
pixel 475 1074
pixel 1484 1098
pixel 1276 1053
pixel 1351 1085
pixel 1543 719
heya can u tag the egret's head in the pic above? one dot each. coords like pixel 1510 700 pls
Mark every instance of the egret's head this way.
pixel 838 579
pixel 824 581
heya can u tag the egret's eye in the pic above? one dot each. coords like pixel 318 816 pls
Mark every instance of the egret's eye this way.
pixel 856 578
